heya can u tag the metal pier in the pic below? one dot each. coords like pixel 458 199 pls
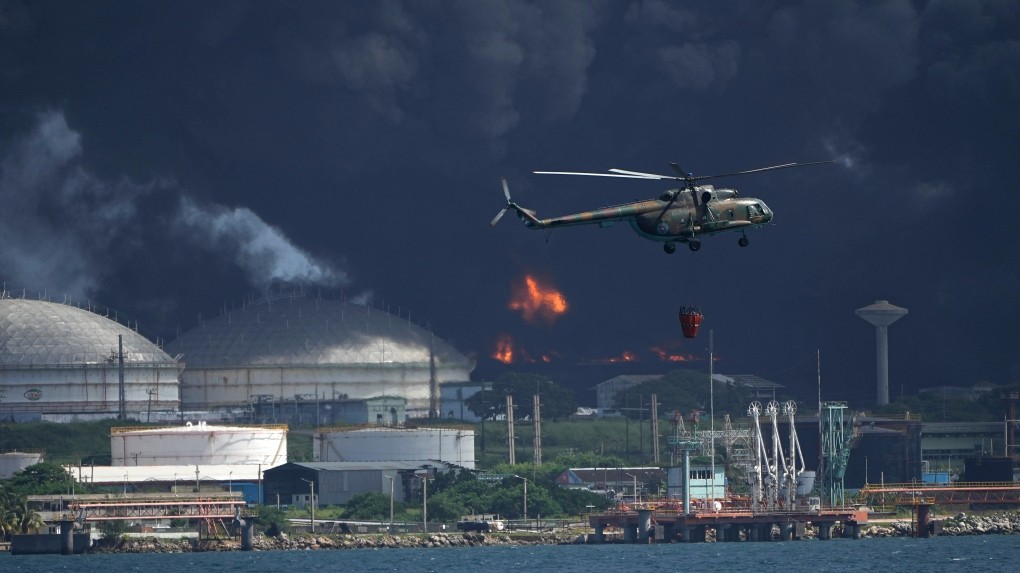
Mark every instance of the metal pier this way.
pixel 646 525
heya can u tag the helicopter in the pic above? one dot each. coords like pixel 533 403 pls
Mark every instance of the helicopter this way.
pixel 681 215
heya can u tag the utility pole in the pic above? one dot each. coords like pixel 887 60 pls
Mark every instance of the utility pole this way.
pixel 122 406
pixel 711 410
pixel 311 502
pixel 511 455
pixel 538 432
pixel 655 429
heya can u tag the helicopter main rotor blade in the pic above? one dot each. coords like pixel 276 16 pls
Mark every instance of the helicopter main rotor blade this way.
pixel 760 169
pixel 497 217
pixel 506 190
pixel 643 176
pixel 680 171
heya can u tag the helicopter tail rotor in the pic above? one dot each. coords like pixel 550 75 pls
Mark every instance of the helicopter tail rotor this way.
pixel 509 203
pixel 526 215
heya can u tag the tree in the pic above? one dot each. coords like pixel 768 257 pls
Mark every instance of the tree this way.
pixel 371 505
pixel 15 515
pixel 40 479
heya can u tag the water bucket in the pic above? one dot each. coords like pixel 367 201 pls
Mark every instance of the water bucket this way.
pixel 690 320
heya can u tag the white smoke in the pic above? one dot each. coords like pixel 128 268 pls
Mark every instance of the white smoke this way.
pixel 64 230
pixel 58 221
pixel 261 250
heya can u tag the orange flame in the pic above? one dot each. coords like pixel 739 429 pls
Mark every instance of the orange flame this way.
pixel 533 299
pixel 504 349
pixel 665 356
pixel 626 356
pixel 507 352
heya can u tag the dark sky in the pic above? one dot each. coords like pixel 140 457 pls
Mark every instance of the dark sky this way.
pixel 168 158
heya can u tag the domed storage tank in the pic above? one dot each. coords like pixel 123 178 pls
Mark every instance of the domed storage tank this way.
pixel 310 349
pixel 60 363
pixel 199 444
pixel 13 462
pixel 450 445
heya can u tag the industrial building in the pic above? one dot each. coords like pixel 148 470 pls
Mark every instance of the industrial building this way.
pixel 173 479
pixel 335 483
pixel 453 399
pixel 381 411
pixel 63 363
pixel 607 391
pixel 296 348
pixel 624 483
pixel 412 446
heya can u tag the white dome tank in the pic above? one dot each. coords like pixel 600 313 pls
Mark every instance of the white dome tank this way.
pixel 199 444
pixel 61 363
pixel 450 445
pixel 302 348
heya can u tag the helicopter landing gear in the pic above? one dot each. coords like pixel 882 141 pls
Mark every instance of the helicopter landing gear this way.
pixel 669 247
pixel 743 241
pixel 694 245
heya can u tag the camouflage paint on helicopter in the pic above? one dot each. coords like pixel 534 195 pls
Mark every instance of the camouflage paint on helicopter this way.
pixel 678 216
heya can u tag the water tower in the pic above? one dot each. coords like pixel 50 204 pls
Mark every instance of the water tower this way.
pixel 882 314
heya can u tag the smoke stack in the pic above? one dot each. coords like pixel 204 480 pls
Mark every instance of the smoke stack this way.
pixel 882 314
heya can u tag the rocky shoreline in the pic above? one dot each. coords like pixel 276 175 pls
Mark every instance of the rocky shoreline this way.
pixel 959 524
pixel 1007 523
pixel 315 542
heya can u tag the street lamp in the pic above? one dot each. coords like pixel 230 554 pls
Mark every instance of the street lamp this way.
pixel 391 503
pixel 230 482
pixel 525 480
pixel 311 485
pixel 424 474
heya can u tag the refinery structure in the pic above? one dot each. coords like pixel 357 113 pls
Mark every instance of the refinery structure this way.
pixel 322 363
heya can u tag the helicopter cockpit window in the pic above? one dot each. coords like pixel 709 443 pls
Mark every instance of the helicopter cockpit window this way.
pixel 752 211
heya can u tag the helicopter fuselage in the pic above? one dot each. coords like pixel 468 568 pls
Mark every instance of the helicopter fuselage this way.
pixel 676 216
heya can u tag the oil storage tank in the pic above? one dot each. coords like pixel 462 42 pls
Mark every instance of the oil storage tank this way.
pixel 60 363
pixel 199 444
pixel 298 348
pixel 451 445
pixel 13 462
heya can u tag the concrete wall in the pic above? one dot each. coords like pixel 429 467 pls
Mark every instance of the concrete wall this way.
pixel 46 544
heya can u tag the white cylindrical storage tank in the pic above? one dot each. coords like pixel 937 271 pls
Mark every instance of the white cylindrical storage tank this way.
pixel 13 462
pixel 450 445
pixel 805 482
pixel 199 444
pixel 62 363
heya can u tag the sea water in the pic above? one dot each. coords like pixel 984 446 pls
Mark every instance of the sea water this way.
pixel 998 553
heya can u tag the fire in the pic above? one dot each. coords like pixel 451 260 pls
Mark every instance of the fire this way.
pixel 507 352
pixel 665 356
pixel 534 299
pixel 504 349
pixel 626 356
